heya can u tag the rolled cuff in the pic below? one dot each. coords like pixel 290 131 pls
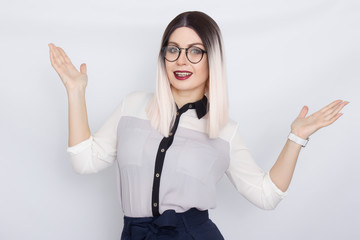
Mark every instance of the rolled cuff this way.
pixel 275 188
pixel 78 148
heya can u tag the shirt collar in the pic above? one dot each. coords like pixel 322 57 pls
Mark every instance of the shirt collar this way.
pixel 200 106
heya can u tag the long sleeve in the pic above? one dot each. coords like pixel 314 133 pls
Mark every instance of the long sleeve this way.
pixel 99 150
pixel 249 179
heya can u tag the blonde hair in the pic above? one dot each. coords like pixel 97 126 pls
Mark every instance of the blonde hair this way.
pixel 161 109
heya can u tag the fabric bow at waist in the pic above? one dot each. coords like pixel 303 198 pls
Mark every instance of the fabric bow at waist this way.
pixel 164 225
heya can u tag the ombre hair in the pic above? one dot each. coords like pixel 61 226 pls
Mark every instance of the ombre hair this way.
pixel 161 110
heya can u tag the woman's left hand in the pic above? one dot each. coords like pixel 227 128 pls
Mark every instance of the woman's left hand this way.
pixel 303 126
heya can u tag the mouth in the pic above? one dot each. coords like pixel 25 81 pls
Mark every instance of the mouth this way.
pixel 182 75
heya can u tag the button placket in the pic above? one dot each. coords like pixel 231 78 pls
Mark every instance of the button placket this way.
pixel 160 157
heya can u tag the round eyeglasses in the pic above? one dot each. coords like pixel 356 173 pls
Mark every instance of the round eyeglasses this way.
pixel 193 54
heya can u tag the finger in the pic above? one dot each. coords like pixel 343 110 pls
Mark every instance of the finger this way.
pixel 334 103
pixel 58 58
pixel 51 54
pixel 51 50
pixel 51 46
pixel 333 119
pixel 83 68
pixel 54 56
pixel 335 110
pixel 303 112
pixel 62 52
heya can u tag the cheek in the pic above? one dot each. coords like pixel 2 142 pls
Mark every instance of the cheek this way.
pixel 168 69
pixel 204 71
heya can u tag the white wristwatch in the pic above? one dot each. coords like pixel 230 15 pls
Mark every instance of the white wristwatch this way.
pixel 298 140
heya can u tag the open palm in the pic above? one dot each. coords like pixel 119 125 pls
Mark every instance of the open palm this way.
pixel 303 126
pixel 69 75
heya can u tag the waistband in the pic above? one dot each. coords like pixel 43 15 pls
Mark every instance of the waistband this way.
pixel 168 223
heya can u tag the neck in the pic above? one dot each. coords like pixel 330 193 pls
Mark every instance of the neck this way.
pixel 183 97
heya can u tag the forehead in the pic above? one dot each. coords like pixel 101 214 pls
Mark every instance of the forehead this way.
pixel 185 36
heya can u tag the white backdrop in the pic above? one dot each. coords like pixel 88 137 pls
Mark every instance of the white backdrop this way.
pixel 281 55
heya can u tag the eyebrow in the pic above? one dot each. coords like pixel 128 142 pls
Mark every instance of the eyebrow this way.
pixel 189 45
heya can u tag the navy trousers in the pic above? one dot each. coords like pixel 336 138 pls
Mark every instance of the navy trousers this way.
pixel 190 225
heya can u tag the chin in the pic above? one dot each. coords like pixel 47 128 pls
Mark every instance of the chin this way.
pixel 181 85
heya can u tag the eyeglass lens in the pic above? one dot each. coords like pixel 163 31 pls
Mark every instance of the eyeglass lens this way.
pixel 194 54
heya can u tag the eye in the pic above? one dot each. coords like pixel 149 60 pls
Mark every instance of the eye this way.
pixel 195 50
pixel 172 49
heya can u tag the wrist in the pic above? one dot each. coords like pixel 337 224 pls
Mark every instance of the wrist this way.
pixel 80 91
pixel 300 134
pixel 301 141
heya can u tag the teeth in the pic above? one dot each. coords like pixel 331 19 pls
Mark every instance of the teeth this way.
pixel 182 74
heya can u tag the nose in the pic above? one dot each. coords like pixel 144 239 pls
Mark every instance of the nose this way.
pixel 182 58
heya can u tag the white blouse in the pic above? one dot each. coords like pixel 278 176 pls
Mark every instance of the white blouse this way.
pixel 192 166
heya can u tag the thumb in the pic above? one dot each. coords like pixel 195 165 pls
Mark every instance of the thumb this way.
pixel 303 112
pixel 83 68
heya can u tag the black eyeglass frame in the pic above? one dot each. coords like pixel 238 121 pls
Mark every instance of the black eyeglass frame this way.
pixel 163 49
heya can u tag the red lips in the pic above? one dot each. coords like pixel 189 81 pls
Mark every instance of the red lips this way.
pixel 182 75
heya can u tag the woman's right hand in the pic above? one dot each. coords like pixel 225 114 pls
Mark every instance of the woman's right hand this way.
pixel 70 76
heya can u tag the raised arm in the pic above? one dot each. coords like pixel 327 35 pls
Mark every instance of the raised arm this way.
pixel 75 83
pixel 303 126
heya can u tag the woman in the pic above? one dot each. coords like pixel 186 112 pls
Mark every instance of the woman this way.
pixel 173 146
